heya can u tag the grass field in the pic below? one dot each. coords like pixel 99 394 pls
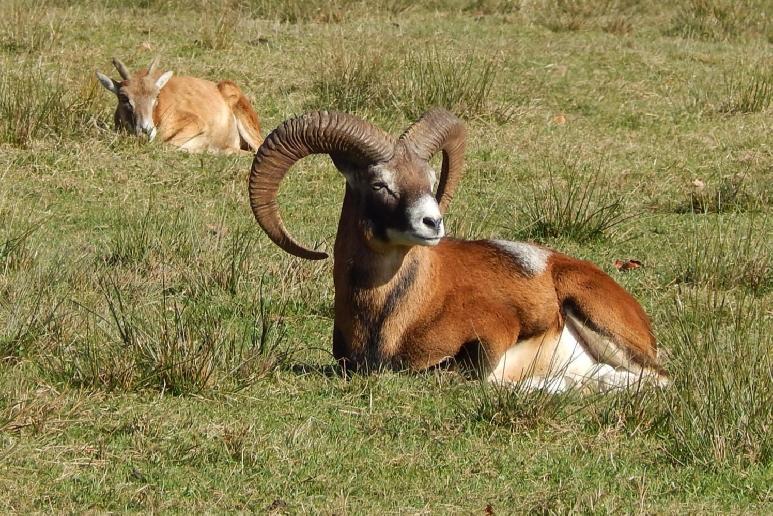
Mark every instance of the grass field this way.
pixel 158 353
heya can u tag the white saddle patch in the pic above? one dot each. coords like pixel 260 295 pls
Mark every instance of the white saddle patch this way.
pixel 531 258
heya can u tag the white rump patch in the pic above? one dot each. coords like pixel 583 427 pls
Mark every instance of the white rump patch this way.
pixel 532 259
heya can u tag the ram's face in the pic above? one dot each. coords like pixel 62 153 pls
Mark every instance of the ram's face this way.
pixel 398 204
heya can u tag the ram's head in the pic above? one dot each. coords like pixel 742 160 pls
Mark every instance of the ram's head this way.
pixel 389 181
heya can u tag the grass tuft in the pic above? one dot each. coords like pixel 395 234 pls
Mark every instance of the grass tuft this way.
pixel 30 321
pixel 720 407
pixel 749 94
pixel 425 79
pixel 299 11
pixel 14 250
pixel 219 29
pixel 171 345
pixel 27 26
pixel 433 79
pixel 727 255
pixel 744 91
pixel 613 16
pixel 576 203
pixel 717 20
pixel 35 105
pixel 146 241
pixel 483 7
pixel 727 194
pixel 631 412
pixel 521 409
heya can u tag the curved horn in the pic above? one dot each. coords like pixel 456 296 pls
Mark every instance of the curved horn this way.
pixel 337 134
pixel 153 65
pixel 123 72
pixel 439 129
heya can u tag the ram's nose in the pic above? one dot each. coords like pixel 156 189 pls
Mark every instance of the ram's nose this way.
pixel 426 220
pixel 434 223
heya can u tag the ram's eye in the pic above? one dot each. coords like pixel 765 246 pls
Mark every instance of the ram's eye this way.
pixel 378 185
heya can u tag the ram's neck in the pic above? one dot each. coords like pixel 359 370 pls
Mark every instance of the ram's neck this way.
pixel 375 291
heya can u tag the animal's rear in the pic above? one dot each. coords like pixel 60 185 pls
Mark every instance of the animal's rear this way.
pixel 247 120
pixel 611 324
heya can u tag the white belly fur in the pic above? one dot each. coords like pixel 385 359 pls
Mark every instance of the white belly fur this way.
pixel 557 363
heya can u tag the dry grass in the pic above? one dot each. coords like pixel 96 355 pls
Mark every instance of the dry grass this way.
pixel 34 105
pixel 719 20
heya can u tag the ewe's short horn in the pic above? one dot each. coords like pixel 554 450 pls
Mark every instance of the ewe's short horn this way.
pixel 337 134
pixel 122 71
pixel 153 64
pixel 439 129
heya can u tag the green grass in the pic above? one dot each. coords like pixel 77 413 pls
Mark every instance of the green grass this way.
pixel 575 204
pixel 35 104
pixel 159 353
pixel 410 84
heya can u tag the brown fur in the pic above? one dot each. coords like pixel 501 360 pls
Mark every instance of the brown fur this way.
pixel 465 292
pixel 191 113
pixel 405 297
pixel 246 118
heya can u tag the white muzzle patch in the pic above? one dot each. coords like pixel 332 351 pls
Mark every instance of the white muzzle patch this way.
pixel 426 224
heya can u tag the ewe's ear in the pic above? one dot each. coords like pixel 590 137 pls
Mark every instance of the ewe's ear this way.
pixel 108 83
pixel 161 81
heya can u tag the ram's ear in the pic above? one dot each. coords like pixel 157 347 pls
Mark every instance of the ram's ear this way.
pixel 349 166
pixel 108 83
pixel 161 81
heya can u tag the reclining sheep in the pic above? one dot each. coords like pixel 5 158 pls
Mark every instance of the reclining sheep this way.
pixel 190 113
pixel 408 297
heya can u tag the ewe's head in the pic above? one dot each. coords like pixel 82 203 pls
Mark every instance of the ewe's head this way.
pixel 389 181
pixel 137 97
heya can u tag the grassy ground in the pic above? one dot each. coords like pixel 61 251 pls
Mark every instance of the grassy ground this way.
pixel 157 352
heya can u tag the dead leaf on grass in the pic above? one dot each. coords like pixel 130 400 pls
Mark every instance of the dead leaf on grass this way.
pixel 627 265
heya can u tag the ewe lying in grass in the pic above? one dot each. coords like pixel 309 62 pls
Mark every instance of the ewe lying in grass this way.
pixel 405 296
pixel 190 113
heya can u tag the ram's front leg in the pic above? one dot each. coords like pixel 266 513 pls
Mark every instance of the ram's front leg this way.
pixel 341 352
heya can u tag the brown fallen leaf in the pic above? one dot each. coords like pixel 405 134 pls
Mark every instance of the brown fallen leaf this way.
pixel 559 119
pixel 627 265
